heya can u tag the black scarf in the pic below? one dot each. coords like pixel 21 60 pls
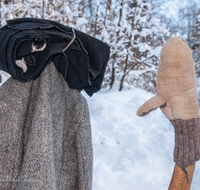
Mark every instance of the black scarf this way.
pixel 31 44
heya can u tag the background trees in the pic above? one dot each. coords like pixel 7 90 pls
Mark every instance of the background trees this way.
pixel 134 29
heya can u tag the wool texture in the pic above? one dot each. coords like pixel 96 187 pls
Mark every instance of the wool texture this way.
pixel 176 83
pixel 187 141
pixel 45 135
pixel 177 99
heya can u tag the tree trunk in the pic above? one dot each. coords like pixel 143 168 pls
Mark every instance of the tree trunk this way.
pixel 96 19
pixel 7 1
pixel 125 68
pixel 114 15
pixel 90 7
pixel 108 6
pixel 126 62
pixel 43 4
pixel 115 54
pixel 112 78
pixel 121 83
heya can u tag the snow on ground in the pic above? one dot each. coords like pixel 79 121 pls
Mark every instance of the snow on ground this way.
pixel 131 152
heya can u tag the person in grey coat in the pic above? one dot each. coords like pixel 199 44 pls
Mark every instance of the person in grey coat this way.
pixel 45 135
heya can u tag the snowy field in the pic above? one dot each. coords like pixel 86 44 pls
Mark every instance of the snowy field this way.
pixel 131 152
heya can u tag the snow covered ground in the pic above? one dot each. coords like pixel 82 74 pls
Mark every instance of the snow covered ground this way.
pixel 131 152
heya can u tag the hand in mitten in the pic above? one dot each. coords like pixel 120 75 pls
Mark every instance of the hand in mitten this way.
pixel 177 99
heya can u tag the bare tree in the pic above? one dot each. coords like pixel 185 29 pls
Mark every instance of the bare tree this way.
pixel 107 16
pixel 43 5
pixel 96 20
pixel 112 78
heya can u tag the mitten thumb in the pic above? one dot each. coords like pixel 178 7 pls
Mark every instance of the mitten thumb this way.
pixel 150 105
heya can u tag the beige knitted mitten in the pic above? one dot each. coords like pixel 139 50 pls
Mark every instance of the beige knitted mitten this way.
pixel 177 99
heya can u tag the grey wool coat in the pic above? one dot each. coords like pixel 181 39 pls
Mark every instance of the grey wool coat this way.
pixel 45 135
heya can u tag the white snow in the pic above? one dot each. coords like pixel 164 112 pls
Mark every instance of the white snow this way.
pixel 131 152
pixel 143 47
pixel 81 21
pixel 155 51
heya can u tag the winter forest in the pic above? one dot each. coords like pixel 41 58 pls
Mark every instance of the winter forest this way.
pixel 134 29
pixel 130 152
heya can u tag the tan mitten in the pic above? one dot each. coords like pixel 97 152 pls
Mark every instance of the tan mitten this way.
pixel 177 99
